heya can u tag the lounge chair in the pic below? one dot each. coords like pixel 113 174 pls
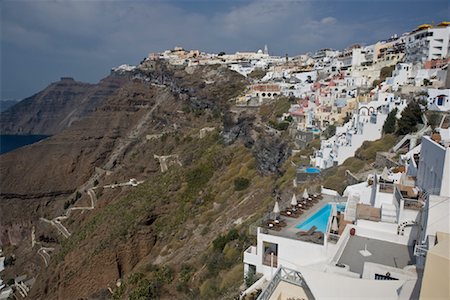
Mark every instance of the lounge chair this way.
pixel 308 232
pixel 280 223
pixel 290 213
pixel 272 226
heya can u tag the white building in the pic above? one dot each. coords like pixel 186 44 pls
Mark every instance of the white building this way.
pixel 433 173
pixel 400 76
pixel 368 255
pixel 439 99
pixel 365 125
pixel 428 42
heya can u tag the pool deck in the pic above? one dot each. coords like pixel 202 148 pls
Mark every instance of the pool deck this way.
pixel 290 230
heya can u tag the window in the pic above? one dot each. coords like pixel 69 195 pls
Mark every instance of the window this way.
pixel 270 254
pixel 440 100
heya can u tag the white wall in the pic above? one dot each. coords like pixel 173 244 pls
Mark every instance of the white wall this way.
pixel 291 253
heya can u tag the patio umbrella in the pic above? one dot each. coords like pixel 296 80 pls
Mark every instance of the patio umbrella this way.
pixel 294 200
pixel 334 225
pixel 305 194
pixel 294 182
pixel 385 174
pixel 276 209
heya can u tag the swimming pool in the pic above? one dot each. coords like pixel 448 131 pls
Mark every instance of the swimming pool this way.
pixel 312 170
pixel 320 218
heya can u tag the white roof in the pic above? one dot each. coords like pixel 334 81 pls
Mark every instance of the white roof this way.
pixel 331 286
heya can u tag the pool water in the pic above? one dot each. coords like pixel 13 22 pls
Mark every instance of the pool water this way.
pixel 320 218
pixel 312 170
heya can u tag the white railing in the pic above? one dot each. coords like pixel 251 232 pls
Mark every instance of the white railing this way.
pixel 287 275
pixel 420 250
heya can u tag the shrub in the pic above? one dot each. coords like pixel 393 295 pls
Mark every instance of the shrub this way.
pixel 185 275
pixel 241 184
pixel 330 131
pixel 220 242
pixel 433 120
pixel 411 115
pixel 389 124
pixel 232 278
pixel 146 289
pixel 257 74
pixel 209 289
pixel 164 274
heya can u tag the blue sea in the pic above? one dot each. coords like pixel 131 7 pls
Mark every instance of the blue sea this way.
pixel 11 142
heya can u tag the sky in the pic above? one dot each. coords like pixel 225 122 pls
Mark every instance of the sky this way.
pixel 42 41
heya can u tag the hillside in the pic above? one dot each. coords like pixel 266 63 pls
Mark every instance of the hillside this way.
pixel 159 112
pixel 58 106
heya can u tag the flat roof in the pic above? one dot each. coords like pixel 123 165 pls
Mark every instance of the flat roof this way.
pixel 382 252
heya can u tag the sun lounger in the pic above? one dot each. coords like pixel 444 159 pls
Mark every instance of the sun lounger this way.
pixel 288 214
pixel 309 232
pixel 272 226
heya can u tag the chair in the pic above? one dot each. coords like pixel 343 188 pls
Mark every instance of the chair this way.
pixel 308 232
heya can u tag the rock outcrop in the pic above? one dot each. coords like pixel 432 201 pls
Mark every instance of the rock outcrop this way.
pixel 270 153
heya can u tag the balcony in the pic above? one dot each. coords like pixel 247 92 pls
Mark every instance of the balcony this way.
pixel 250 256
pixel 410 198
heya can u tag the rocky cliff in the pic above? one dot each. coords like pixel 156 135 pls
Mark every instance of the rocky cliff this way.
pixel 58 106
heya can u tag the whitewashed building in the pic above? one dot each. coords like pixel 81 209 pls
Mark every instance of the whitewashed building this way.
pixel 428 42
pixel 439 99
pixel 365 125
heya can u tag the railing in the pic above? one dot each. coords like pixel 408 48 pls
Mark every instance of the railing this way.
pixel 386 187
pixel 413 204
pixel 287 275
pixel 421 250
pixel 333 238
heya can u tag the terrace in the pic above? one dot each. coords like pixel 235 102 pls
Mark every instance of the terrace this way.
pixel 288 221
pixel 378 251
pixel 410 196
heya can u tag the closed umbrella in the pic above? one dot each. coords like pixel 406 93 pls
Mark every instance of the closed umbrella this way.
pixel 294 200
pixel 305 194
pixel 334 210
pixel 334 225
pixel 276 209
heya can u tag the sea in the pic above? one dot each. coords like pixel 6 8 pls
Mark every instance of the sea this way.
pixel 11 142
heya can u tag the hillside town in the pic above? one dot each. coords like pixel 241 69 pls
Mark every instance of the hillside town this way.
pixel 387 234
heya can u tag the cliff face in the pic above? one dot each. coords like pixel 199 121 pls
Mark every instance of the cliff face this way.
pixel 57 106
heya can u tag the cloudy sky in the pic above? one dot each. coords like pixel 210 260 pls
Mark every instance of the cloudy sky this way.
pixel 44 40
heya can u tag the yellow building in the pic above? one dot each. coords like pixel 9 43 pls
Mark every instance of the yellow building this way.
pixel 436 277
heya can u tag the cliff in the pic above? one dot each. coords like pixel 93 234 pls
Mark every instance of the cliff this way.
pixel 58 106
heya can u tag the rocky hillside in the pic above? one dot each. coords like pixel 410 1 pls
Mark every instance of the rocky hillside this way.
pixel 178 234
pixel 58 106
